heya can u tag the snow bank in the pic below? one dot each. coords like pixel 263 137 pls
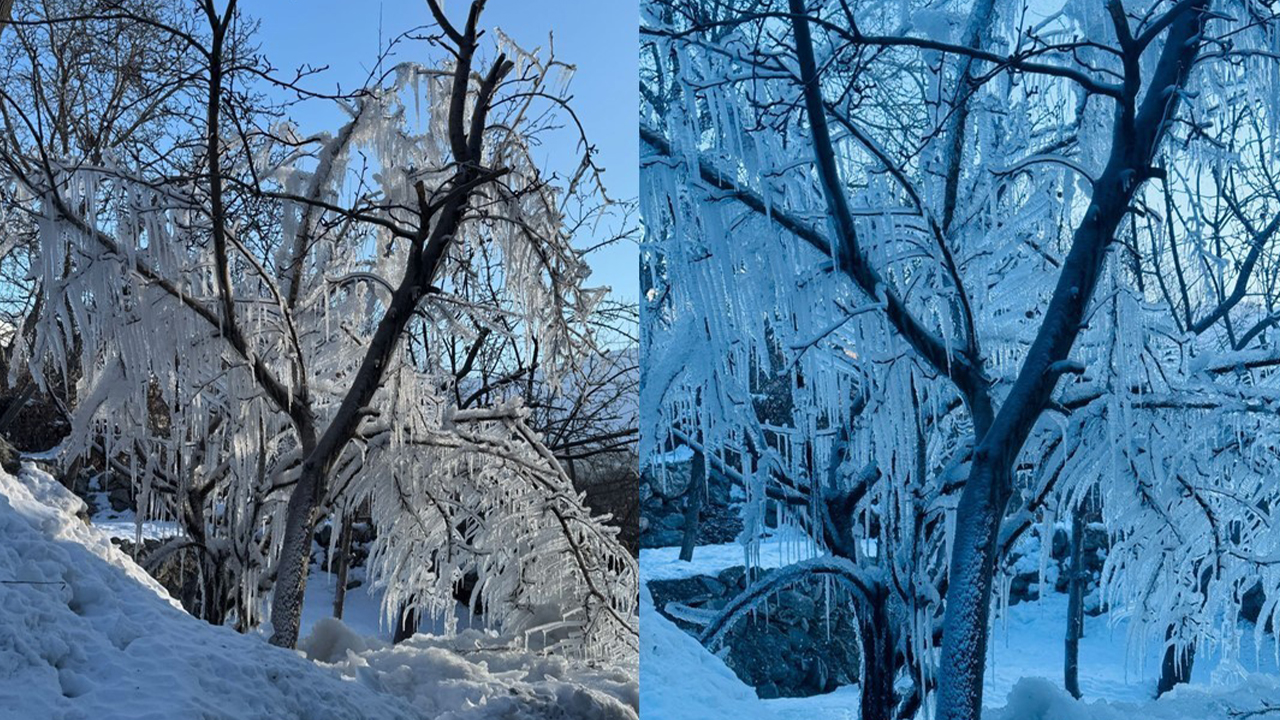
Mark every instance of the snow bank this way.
pixel 1041 699
pixel 679 678
pixel 476 675
pixel 86 634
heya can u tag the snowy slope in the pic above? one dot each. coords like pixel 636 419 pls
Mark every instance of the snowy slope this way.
pixel 85 634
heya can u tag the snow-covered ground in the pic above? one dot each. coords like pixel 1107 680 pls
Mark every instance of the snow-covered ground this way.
pixel 85 634
pixel 681 680
pixel 123 524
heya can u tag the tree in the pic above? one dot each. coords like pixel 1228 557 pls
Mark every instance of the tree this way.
pixel 312 293
pixel 959 295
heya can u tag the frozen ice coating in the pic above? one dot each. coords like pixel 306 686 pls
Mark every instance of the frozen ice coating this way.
pixel 927 282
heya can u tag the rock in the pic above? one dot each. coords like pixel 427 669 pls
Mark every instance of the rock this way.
pixel 1024 586
pixel 1095 537
pixel 121 499
pixel 1061 544
pixel 797 648
pixel 662 538
pixel 734 578
pixel 795 608
pixel 9 458
pixel 713 586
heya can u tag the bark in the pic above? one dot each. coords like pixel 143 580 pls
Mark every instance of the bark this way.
pixel 879 661
pixel 1175 669
pixel 982 506
pixel 344 562
pixel 295 556
pixel 1075 606
pixel 425 257
pixel 693 499
pixel 6 14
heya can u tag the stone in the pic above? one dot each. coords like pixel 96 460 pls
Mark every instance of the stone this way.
pixel 1095 537
pixel 734 577
pixel 800 604
pixel 794 648
pixel 713 586
pixel 1061 544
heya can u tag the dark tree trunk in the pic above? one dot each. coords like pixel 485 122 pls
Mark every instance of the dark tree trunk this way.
pixel 1139 128
pixel 1177 664
pixel 693 499
pixel 344 562
pixel 295 556
pixel 407 627
pixel 1075 606
pixel 879 662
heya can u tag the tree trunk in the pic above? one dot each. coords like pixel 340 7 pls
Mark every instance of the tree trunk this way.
pixel 1176 667
pixel 344 562
pixel 965 628
pixel 693 499
pixel 6 14
pixel 878 661
pixel 295 556
pixel 1075 606
pixel 406 627
pixel 1139 128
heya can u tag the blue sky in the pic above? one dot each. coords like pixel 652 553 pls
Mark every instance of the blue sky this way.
pixel 600 38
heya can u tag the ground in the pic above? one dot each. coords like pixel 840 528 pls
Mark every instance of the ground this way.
pixel 86 634
pixel 681 680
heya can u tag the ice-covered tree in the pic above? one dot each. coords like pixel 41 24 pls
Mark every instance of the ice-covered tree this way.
pixel 953 229
pixel 268 324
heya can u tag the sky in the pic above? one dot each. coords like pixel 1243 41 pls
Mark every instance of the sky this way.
pixel 599 37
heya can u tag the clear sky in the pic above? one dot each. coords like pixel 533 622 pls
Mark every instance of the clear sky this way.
pixel 598 36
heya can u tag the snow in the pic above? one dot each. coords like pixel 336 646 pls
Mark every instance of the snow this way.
pixel 476 675
pixel 86 634
pixel 1028 642
pixel 681 680
pixel 1040 699
pixel 782 547
pixel 361 609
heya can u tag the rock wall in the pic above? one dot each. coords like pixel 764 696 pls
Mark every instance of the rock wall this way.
pixel 797 645
pixel 662 500
pixel 1022 567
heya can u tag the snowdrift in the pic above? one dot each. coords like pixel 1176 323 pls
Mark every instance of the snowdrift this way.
pixel 1041 699
pixel 679 678
pixel 86 634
